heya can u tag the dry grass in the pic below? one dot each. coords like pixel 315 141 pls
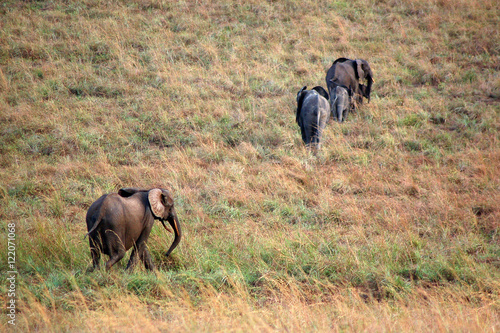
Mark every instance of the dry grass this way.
pixel 392 227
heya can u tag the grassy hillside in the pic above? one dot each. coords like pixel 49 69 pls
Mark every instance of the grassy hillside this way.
pixel 393 226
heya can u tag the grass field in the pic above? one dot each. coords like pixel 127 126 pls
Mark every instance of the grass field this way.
pixel 393 226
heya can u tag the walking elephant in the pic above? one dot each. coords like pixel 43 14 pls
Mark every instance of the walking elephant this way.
pixel 340 101
pixel 312 114
pixel 118 221
pixel 351 74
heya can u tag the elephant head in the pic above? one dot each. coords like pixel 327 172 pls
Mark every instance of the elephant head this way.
pixel 364 72
pixel 340 102
pixel 162 207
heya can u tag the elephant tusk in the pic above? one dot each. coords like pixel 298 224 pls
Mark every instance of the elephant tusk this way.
pixel 175 225
pixel 165 226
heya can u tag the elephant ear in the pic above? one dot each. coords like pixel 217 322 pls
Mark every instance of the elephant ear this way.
pixel 320 90
pixel 300 99
pixel 128 191
pixel 361 73
pixel 156 202
pixel 167 199
pixel 299 94
pixel 341 60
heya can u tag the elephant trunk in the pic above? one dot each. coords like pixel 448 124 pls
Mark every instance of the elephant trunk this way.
pixel 174 222
pixel 339 112
pixel 333 102
pixel 368 87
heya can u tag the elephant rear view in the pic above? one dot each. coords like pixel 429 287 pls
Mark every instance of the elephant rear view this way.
pixel 339 102
pixel 312 114
pixel 118 221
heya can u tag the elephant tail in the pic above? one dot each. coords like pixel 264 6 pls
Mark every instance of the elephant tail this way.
pixel 96 224
pixel 316 130
pixel 335 100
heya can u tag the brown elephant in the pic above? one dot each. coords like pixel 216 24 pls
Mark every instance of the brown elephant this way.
pixel 351 74
pixel 118 221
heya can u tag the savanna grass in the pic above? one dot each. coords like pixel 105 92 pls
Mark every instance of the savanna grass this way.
pixel 393 226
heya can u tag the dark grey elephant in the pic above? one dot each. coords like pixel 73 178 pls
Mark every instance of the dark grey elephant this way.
pixel 340 101
pixel 118 221
pixel 312 114
pixel 351 74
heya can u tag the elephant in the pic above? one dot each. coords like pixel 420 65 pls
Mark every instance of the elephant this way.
pixel 349 73
pixel 118 221
pixel 340 101
pixel 312 114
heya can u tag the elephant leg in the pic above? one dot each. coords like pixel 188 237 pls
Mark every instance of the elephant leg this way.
pixel 303 130
pixel 114 258
pixel 95 252
pixel 320 126
pixel 333 113
pixel 133 258
pixel 310 132
pixel 315 138
pixel 115 249
pixel 146 258
pixel 142 250
pixel 96 258
pixel 318 138
pixel 344 110
pixel 339 114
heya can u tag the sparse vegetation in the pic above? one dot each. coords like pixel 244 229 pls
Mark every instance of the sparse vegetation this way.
pixel 392 227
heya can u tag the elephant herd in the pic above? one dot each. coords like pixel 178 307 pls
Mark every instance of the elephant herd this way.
pixel 117 222
pixel 344 81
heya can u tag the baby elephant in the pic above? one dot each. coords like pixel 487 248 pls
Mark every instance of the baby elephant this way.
pixel 118 221
pixel 340 102
pixel 312 114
